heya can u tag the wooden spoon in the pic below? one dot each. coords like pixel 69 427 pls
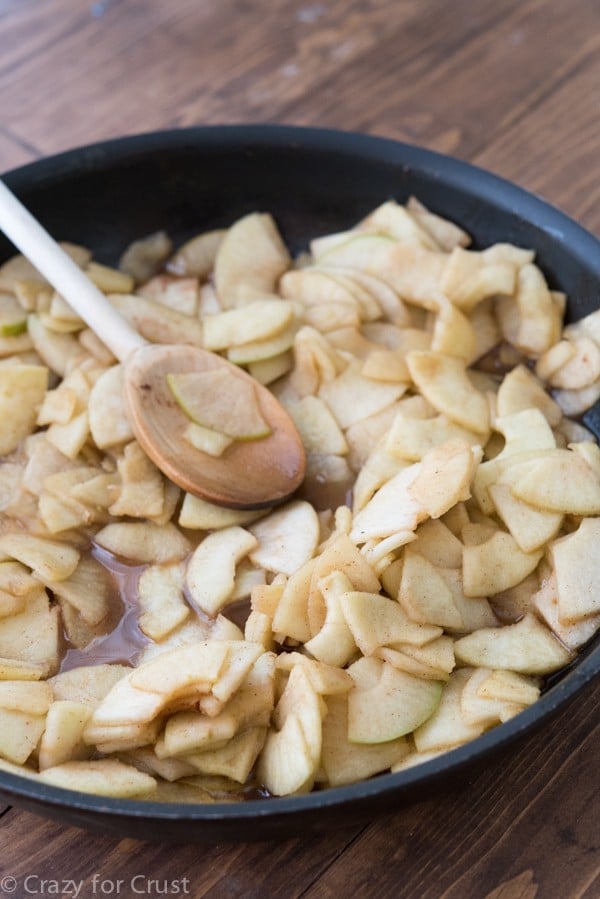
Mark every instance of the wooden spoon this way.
pixel 250 474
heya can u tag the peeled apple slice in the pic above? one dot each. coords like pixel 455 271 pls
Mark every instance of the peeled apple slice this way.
pixel 392 704
pixel 217 401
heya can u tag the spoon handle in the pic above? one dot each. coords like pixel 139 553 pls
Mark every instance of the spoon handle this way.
pixel 28 235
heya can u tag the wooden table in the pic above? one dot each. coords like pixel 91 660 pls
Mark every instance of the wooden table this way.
pixel 513 86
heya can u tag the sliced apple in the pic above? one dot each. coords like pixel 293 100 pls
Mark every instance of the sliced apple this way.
pixel 447 728
pixel 187 732
pixel 432 661
pixel 13 318
pixel 206 439
pixel 425 595
pixel 444 382
pixel 259 320
pixel 88 684
pixel 340 555
pixel 328 680
pixel 210 576
pixel 345 762
pixel 287 538
pixel 62 740
pixel 250 260
pixel 394 706
pixel 194 667
pixel 318 428
pixel 215 400
pixel 561 481
pixel 103 777
pixel 144 541
pixel 527 647
pixel 496 564
pixel 486 710
pixel 235 760
pixel 352 397
pixel 291 754
pixel 378 621
pixel 577 581
pixel 22 390
pixel 19 734
pixel 444 476
pixel 391 509
pixel 333 643
pixel 161 601
pixel 199 514
pixel 291 615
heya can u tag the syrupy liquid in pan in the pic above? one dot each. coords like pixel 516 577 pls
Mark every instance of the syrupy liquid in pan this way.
pixel 124 641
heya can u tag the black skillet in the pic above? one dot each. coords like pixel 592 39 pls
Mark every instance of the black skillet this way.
pixel 314 182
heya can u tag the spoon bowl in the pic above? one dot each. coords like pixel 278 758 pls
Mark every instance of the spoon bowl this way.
pixel 253 474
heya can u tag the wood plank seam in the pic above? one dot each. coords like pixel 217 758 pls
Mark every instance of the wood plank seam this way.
pixel 19 141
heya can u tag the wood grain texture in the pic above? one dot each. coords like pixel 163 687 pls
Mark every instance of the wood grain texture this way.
pixel 553 149
pixel 513 86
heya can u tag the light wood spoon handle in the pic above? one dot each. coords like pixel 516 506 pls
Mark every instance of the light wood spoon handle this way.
pixel 66 277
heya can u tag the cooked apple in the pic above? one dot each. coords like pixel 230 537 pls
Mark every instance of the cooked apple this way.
pixel 334 642
pixel 443 381
pixel 496 565
pixel 289 760
pixel 287 538
pixel 392 707
pixel 561 481
pixel 19 734
pixel 62 740
pixel 345 762
pixel 235 760
pixel 258 320
pixel 13 318
pixel 425 595
pixel 22 389
pixel 378 621
pixel 215 400
pixel 144 541
pixel 250 260
pixel 527 647
pixel 352 397
pixel 103 777
pixel 328 680
pixel 161 600
pixel 484 710
pixel 446 727
pixel 574 558
pixel 210 575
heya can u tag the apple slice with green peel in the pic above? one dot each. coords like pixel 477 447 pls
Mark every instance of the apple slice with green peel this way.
pixel 13 318
pixel 213 400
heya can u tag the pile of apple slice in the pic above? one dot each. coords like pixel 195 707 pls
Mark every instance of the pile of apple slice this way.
pixel 438 563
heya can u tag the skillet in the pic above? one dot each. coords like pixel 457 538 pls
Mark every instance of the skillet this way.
pixel 314 181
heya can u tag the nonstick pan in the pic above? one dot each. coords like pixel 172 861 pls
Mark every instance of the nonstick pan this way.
pixel 314 182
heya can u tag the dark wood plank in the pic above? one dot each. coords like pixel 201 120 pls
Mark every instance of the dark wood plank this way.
pixel 410 70
pixel 282 870
pixel 553 148
pixel 423 81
